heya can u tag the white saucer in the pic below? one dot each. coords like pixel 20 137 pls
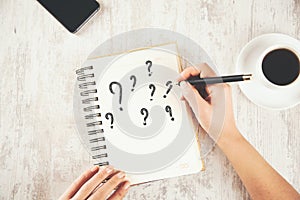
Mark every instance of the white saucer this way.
pixel 280 97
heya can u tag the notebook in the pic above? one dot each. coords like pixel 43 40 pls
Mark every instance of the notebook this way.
pixel 129 114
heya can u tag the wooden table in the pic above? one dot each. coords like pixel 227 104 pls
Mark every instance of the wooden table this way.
pixel 40 151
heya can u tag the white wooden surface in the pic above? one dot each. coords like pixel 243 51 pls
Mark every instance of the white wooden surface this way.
pixel 40 153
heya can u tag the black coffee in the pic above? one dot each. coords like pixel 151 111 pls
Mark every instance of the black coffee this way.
pixel 281 66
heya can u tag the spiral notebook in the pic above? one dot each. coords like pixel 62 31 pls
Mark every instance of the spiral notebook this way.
pixel 129 114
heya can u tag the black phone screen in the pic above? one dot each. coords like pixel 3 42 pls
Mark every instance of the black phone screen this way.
pixel 71 13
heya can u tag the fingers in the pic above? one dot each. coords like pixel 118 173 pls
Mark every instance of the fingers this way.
pixel 193 98
pixel 76 185
pixel 120 192
pixel 92 183
pixel 186 73
pixel 109 186
pixel 206 70
pixel 203 69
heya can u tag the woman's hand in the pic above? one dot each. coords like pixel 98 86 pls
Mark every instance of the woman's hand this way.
pixel 214 112
pixel 89 185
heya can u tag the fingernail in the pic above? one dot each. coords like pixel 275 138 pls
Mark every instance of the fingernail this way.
pixel 121 175
pixel 126 178
pixel 127 185
pixel 108 169
pixel 179 83
pixel 95 168
pixel 183 84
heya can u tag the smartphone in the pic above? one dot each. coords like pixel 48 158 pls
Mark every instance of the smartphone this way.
pixel 72 14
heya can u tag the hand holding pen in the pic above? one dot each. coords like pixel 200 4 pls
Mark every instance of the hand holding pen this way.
pixel 215 115
pixel 196 80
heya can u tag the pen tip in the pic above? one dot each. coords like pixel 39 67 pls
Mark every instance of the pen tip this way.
pixel 247 76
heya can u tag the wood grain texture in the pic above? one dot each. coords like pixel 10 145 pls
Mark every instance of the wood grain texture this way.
pixel 40 152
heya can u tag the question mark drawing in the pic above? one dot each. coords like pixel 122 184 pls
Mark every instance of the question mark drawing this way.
pixel 149 64
pixel 120 91
pixel 133 77
pixel 169 83
pixel 109 116
pixel 169 110
pixel 152 87
pixel 145 112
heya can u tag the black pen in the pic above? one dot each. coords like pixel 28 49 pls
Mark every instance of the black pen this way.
pixel 196 80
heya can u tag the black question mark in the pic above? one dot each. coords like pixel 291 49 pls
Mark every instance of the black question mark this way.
pixel 152 87
pixel 113 92
pixel 144 111
pixel 169 110
pixel 111 117
pixel 133 77
pixel 149 64
pixel 169 83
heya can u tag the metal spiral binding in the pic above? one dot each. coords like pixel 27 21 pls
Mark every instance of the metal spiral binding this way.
pixel 96 134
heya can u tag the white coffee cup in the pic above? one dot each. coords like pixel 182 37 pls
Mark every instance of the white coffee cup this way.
pixel 260 90
pixel 259 67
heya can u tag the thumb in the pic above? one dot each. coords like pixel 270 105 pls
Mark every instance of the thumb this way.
pixel 192 96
